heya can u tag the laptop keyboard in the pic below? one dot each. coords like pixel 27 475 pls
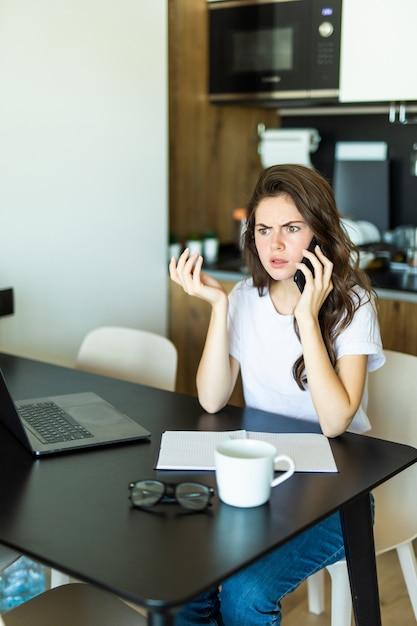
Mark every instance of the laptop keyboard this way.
pixel 48 422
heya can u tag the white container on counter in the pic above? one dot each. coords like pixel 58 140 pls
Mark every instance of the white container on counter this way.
pixel 211 249
pixel 194 245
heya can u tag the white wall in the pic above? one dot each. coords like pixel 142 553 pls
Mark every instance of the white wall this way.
pixel 83 170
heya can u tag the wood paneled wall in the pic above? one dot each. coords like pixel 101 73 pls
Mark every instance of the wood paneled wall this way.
pixel 214 162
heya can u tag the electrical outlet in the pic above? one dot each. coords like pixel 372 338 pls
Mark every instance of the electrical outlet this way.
pixel 6 302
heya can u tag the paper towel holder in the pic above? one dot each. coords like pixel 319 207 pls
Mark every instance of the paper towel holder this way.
pixel 290 135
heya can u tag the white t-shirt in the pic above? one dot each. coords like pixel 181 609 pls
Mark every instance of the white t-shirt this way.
pixel 266 347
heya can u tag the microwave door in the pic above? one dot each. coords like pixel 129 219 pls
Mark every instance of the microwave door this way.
pixel 259 50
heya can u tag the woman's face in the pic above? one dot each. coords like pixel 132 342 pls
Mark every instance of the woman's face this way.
pixel 280 236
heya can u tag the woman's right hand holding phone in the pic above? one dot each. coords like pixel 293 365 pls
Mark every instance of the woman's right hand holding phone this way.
pixel 318 285
pixel 187 272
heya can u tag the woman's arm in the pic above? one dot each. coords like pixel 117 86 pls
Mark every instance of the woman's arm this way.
pixel 217 371
pixel 336 392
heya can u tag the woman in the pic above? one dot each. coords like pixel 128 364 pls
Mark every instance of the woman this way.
pixel 305 355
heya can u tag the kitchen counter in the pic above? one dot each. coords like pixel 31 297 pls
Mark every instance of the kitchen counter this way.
pixel 394 281
pixel 230 266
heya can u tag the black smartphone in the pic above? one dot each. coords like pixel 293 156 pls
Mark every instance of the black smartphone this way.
pixel 299 277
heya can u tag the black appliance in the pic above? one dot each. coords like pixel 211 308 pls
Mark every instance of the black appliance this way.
pixel 272 51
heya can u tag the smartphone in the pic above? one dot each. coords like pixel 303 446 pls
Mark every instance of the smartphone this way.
pixel 299 277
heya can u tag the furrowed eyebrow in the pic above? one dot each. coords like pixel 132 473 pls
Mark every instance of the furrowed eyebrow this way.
pixel 290 223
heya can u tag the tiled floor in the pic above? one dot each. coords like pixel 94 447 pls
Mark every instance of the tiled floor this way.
pixel 23 580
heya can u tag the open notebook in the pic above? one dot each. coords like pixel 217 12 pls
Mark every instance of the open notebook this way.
pixel 194 450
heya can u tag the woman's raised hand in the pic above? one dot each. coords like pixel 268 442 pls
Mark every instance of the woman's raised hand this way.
pixel 317 288
pixel 187 273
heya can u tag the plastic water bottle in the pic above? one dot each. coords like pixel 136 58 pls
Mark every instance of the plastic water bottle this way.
pixel 21 581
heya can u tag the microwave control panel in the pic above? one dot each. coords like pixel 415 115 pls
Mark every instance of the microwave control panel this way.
pixel 326 35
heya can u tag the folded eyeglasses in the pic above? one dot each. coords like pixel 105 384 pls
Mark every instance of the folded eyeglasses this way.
pixel 145 494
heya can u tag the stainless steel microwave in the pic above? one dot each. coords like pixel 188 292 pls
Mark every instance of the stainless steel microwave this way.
pixel 274 51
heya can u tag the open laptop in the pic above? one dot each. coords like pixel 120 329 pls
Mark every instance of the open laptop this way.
pixel 69 422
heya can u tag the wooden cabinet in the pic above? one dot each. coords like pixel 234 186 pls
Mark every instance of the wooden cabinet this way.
pixel 378 51
pixel 398 321
pixel 213 150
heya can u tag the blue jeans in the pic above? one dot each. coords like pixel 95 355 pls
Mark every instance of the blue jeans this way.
pixel 253 596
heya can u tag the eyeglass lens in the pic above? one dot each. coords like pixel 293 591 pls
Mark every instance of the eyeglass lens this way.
pixel 192 495
pixel 147 493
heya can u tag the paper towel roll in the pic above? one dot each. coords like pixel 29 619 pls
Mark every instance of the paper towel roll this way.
pixel 287 145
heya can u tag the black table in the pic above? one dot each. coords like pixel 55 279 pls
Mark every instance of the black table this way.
pixel 72 511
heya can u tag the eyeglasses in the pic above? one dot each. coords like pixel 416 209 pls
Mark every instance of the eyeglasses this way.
pixel 144 494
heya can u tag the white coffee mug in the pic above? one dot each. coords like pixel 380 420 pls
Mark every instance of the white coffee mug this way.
pixel 245 471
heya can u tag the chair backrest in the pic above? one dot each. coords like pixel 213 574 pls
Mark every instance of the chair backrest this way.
pixel 392 410
pixel 129 354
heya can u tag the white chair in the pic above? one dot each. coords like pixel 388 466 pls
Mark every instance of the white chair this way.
pixel 129 354
pixel 76 604
pixel 392 409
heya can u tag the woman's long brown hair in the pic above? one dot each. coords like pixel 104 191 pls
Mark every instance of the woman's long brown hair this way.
pixel 314 199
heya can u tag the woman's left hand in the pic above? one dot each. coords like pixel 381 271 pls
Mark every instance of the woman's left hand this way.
pixel 317 287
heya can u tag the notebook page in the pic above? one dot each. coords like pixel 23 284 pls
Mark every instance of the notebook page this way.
pixel 192 449
pixel 311 451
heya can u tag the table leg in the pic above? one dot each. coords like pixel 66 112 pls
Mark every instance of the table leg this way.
pixel 360 556
pixel 160 619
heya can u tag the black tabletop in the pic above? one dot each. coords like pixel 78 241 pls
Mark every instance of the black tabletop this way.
pixel 72 511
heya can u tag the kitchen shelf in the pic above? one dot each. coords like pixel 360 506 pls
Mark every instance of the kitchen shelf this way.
pixel 343 109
